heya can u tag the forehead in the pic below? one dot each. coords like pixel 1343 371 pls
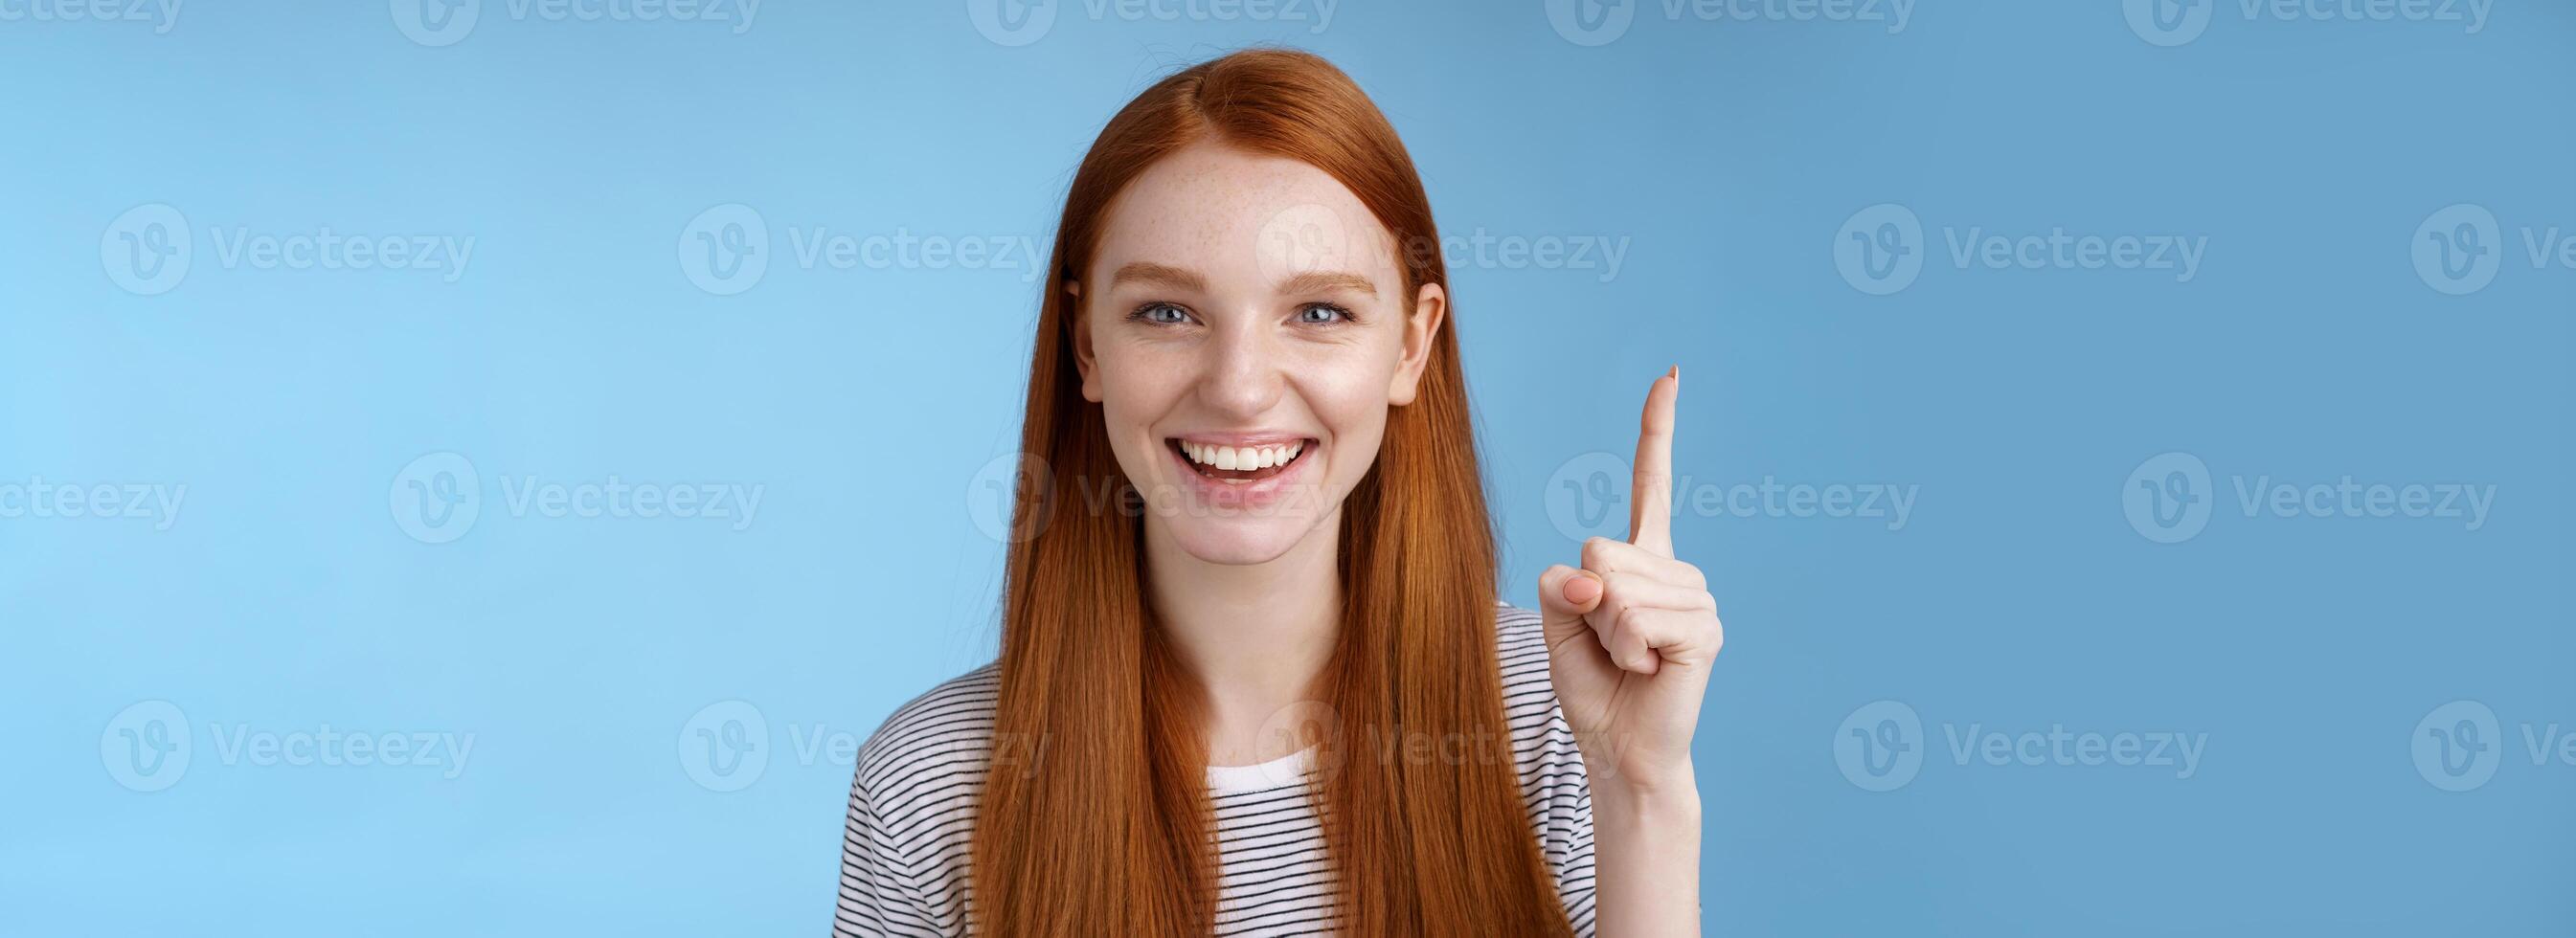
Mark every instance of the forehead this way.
pixel 1240 216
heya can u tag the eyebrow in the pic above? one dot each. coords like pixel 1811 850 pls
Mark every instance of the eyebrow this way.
pixel 1326 281
pixel 1309 282
pixel 1150 272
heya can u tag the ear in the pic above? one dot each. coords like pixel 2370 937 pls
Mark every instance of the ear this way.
pixel 1429 308
pixel 1081 337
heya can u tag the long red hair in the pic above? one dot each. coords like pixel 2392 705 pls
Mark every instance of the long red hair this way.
pixel 1113 835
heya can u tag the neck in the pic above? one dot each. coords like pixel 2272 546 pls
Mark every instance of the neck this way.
pixel 1255 635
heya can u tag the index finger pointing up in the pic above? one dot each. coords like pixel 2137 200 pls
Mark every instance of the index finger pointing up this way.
pixel 1650 501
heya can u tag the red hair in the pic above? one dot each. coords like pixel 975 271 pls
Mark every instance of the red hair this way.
pixel 1115 835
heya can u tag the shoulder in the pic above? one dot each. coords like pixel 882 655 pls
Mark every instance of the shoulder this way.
pixel 1520 650
pixel 1554 784
pixel 938 737
pixel 1542 743
pixel 904 867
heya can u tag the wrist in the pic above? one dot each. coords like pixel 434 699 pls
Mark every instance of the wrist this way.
pixel 1664 797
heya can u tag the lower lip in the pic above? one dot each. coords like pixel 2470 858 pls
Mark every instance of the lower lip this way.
pixel 1231 494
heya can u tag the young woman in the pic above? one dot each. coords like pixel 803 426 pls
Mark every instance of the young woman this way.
pixel 1254 679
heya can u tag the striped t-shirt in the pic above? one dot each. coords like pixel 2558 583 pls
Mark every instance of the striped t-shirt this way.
pixel 904 868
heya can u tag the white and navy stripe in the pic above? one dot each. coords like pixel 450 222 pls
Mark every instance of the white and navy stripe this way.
pixel 904 867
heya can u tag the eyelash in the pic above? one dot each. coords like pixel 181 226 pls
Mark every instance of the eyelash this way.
pixel 1342 314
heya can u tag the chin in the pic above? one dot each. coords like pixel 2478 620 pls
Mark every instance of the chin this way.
pixel 1238 541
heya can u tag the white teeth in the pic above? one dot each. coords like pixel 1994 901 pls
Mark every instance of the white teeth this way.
pixel 1241 458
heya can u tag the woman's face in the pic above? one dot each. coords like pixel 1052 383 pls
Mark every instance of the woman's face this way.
pixel 1245 329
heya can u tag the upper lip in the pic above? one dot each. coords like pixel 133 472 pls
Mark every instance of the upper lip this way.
pixel 1243 438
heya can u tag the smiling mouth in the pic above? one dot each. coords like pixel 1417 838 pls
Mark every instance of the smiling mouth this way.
pixel 1239 463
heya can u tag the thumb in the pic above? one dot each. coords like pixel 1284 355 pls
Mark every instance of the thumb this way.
pixel 1564 595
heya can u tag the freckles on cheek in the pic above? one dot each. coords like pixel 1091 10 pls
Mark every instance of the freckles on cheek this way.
pixel 1350 395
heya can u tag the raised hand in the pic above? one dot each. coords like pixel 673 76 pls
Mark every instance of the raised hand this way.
pixel 1632 633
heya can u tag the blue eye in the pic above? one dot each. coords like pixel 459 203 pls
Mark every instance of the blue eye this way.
pixel 1321 314
pixel 1161 314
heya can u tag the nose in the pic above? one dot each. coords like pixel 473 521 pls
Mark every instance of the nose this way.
pixel 1243 377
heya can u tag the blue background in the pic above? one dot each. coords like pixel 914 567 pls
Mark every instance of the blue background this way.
pixel 285 595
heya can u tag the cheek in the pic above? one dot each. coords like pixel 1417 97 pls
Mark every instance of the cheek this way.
pixel 1347 392
pixel 1136 385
